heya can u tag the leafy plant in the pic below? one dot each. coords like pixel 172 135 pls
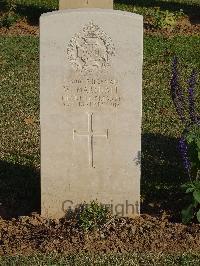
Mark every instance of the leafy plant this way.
pixel 93 215
pixel 164 19
pixel 189 144
pixel 9 17
pixel 193 209
pixel 193 141
pixel 192 188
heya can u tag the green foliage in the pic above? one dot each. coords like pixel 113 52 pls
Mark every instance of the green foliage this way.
pixel 165 19
pixel 193 140
pixel 9 17
pixel 93 216
pixel 192 189
pixel 193 208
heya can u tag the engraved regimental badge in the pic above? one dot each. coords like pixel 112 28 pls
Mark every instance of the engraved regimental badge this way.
pixel 90 50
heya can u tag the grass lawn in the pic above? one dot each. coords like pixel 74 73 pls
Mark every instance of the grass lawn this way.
pixel 104 260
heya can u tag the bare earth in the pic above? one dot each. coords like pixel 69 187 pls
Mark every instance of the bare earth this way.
pixel 28 235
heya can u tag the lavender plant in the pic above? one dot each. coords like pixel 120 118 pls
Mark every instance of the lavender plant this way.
pixel 189 143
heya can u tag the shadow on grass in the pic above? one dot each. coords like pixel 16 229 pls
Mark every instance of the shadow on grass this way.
pixel 3 5
pixel 162 175
pixel 32 12
pixel 19 190
pixel 192 10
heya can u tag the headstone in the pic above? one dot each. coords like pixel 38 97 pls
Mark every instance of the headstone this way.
pixel 91 108
pixel 63 4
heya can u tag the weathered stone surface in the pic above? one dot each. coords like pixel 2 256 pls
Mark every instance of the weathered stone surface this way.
pixel 91 108
pixel 67 4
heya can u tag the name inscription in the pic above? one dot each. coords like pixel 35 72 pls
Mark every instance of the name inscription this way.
pixel 91 92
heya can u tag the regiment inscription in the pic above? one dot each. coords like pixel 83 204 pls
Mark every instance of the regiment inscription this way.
pixel 91 49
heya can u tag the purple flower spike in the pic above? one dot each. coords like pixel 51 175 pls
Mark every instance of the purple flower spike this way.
pixel 176 92
pixel 191 97
pixel 183 148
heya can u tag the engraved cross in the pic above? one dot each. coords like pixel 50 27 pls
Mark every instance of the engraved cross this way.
pixel 90 135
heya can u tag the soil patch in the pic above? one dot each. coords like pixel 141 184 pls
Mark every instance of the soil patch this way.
pixel 183 27
pixel 20 28
pixel 28 235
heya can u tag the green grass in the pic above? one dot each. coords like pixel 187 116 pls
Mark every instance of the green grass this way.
pixel 162 170
pixel 20 99
pixel 19 124
pixel 109 260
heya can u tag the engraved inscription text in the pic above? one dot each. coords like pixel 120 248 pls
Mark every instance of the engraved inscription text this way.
pixel 91 92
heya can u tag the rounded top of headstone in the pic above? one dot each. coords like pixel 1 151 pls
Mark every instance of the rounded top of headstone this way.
pixel 93 10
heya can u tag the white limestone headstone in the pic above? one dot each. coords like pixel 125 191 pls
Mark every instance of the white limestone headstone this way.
pixel 91 109
pixel 64 4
